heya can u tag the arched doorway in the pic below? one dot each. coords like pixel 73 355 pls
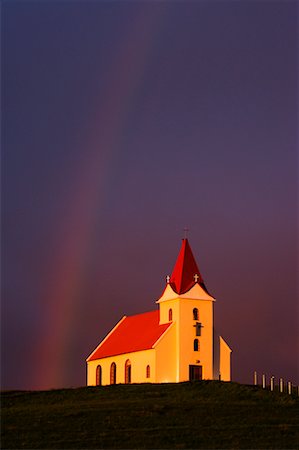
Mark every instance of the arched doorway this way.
pixel 113 373
pixel 99 376
pixel 128 371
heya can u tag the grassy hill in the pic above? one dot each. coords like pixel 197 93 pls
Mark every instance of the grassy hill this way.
pixel 207 414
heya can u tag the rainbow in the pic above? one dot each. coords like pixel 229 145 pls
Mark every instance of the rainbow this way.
pixel 89 181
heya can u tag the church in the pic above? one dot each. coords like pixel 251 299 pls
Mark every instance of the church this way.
pixel 176 342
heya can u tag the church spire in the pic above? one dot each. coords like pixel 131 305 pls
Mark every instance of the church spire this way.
pixel 186 272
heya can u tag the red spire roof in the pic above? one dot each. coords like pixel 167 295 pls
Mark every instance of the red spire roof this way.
pixel 185 271
pixel 132 334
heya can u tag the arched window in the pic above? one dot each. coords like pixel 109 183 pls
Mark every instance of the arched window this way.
pixel 195 314
pixel 170 315
pixel 113 373
pixel 128 371
pixel 99 376
pixel 196 345
pixel 148 371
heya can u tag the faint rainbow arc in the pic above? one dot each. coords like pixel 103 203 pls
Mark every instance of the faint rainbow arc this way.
pixel 66 268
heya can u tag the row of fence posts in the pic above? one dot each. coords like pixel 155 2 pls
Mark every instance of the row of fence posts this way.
pixel 282 387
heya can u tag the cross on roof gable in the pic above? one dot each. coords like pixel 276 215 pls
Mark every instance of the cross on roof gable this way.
pixel 186 272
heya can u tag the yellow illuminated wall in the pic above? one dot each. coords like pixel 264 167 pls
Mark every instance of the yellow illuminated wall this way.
pixel 225 360
pixel 182 310
pixel 139 361
pixel 167 356
pixel 173 353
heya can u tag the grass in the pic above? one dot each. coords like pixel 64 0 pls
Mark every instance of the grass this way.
pixel 199 415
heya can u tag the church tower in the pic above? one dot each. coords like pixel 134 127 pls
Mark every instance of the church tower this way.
pixel 187 302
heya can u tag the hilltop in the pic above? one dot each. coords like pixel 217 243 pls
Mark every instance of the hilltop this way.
pixel 205 415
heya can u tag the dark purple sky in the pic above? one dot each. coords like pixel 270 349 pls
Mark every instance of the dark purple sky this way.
pixel 122 123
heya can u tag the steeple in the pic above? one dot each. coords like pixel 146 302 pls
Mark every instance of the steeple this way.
pixel 186 272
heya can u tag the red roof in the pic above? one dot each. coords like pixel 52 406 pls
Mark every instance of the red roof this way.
pixel 132 334
pixel 182 278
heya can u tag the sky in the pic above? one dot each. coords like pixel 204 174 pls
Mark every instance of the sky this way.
pixel 122 123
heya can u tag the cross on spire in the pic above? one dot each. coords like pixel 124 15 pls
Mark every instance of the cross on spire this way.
pixel 196 277
pixel 186 232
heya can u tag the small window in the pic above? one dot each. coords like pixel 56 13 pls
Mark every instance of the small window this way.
pixel 99 376
pixel 148 371
pixel 113 373
pixel 196 345
pixel 170 315
pixel 195 314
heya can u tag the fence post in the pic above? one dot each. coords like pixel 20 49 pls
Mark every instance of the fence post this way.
pixel 272 383
pixel 281 385
pixel 255 378
pixel 264 381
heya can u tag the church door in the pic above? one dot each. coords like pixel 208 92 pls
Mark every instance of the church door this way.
pixel 195 373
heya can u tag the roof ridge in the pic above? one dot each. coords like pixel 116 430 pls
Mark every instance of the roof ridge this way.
pixel 143 313
pixel 122 339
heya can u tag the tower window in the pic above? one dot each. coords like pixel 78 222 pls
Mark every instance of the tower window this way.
pixel 196 345
pixel 170 315
pixel 148 371
pixel 195 314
